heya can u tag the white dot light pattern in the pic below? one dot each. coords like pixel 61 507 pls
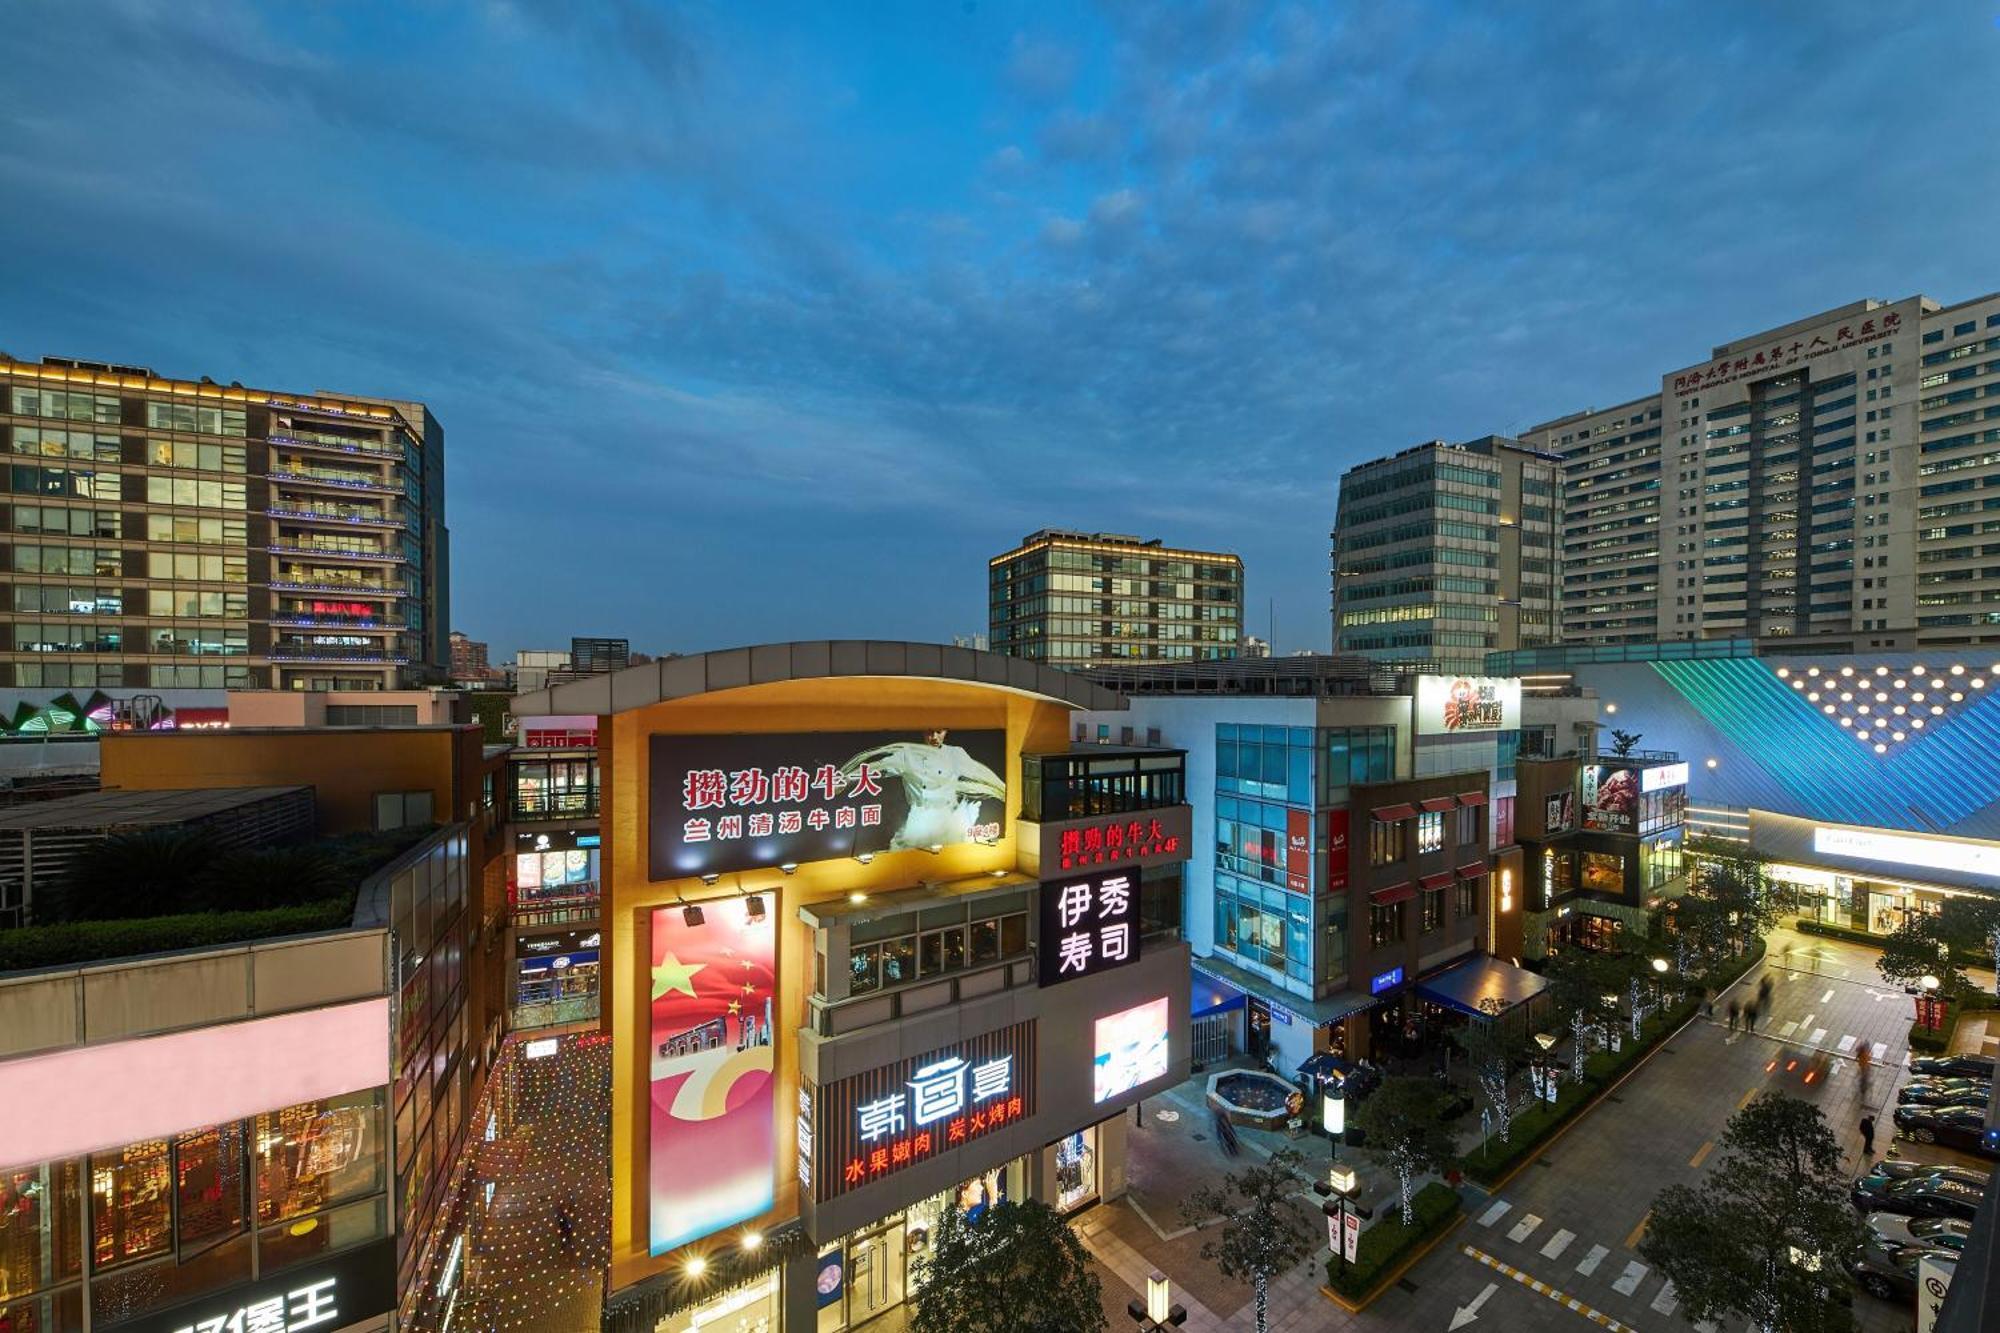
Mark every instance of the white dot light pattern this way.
pixel 1881 709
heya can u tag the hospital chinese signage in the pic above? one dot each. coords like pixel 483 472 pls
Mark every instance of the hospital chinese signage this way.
pixel 1090 924
pixel 351 1287
pixel 1778 356
pixel 724 803
pixel 1153 837
pixel 873 1125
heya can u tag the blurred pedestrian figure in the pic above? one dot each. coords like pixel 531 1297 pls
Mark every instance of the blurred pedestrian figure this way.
pixel 1750 1016
pixel 1868 1135
pixel 1708 1005
pixel 1732 1015
pixel 1764 991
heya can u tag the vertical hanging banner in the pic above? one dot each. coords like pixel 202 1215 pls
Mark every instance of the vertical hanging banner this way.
pixel 714 1135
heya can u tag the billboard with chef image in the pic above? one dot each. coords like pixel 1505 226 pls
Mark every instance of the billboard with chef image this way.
pixel 1610 798
pixel 723 803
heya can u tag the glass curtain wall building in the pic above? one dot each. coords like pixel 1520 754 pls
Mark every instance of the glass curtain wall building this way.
pixel 171 534
pixel 1075 599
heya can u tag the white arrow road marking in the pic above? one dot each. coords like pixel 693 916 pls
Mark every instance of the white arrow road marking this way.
pixel 1629 1281
pixel 1588 1264
pixel 1557 1244
pixel 1492 1215
pixel 1666 1300
pixel 1524 1227
pixel 1469 1311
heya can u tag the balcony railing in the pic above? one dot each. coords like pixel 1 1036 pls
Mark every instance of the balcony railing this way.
pixel 313 440
pixel 286 653
pixel 357 589
pixel 331 514
pixel 336 622
pixel 555 804
pixel 559 911
pixel 316 477
pixel 338 553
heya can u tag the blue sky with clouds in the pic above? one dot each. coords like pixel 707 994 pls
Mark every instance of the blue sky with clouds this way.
pixel 752 321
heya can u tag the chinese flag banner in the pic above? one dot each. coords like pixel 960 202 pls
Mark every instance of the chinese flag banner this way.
pixel 714 1133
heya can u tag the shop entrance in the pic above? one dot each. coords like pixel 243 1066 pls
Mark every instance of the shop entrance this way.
pixel 875 1273
pixel 1259 1028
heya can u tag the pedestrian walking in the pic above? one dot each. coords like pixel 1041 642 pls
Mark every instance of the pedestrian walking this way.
pixel 1868 1136
pixel 1750 1016
pixel 1732 1015
pixel 1764 991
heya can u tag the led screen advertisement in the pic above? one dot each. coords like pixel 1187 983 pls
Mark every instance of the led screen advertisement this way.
pixel 1131 1049
pixel 1467 705
pixel 1610 798
pixel 714 1125
pixel 723 803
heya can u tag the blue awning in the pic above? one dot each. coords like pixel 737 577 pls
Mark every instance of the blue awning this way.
pixel 1465 985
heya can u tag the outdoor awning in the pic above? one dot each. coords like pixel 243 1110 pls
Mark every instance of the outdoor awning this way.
pixel 1441 880
pixel 1389 814
pixel 1472 798
pixel 1316 1012
pixel 1480 979
pixel 1472 871
pixel 1395 893
pixel 1434 804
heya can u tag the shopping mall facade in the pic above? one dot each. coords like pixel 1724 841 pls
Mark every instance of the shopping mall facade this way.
pixel 1868 782
pixel 874 946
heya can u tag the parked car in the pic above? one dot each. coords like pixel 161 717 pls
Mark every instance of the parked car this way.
pixel 1890 1274
pixel 1897 1168
pixel 1962 1127
pixel 1953 1066
pixel 1945 1092
pixel 1889 1231
pixel 1920 1196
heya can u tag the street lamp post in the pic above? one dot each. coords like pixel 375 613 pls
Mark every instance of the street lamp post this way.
pixel 1158 1312
pixel 1930 1011
pixel 1338 1190
pixel 1333 1116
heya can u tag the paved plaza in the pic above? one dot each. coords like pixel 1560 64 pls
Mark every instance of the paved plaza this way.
pixel 1554 1248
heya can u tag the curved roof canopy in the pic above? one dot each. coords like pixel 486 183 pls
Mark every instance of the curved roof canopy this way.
pixel 814 659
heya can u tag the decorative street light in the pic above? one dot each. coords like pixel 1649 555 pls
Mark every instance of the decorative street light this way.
pixel 1333 1115
pixel 1660 966
pixel 1159 1312
pixel 1930 1009
pixel 1338 1190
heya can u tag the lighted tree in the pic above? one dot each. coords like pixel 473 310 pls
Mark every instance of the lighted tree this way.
pixel 1765 1235
pixel 1578 981
pixel 1018 1266
pixel 1260 1228
pixel 1494 1048
pixel 1737 883
pixel 1404 1121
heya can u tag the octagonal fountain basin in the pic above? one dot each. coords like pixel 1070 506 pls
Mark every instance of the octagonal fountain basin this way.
pixel 1251 1097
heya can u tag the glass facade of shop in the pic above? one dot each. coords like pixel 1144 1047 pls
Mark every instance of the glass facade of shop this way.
pixel 552 988
pixel 157 1223
pixel 873 1271
pixel 1858 902
pixel 553 788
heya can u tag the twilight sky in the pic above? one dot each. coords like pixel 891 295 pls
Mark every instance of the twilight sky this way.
pixel 750 322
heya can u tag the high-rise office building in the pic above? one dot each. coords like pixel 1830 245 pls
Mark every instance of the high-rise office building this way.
pixel 1819 481
pixel 167 533
pixel 1073 599
pixel 1445 552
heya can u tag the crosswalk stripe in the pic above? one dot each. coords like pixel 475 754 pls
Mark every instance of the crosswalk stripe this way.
pixel 1557 1244
pixel 1818 1036
pixel 1588 1264
pixel 1537 1285
pixel 1827 998
pixel 1881 1049
pixel 1629 1281
pixel 1846 1046
pixel 1524 1227
pixel 1788 1029
pixel 1492 1214
pixel 1666 1300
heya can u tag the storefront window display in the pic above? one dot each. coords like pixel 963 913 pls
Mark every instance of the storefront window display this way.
pixel 1603 872
pixel 542 875
pixel 875 1270
pixel 170 1220
pixel 754 1307
pixel 1076 1169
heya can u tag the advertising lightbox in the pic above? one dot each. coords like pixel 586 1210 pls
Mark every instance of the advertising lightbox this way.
pixel 1610 798
pixel 713 1132
pixel 722 803
pixel 1131 1049
pixel 1662 776
pixel 1463 705
pixel 1090 924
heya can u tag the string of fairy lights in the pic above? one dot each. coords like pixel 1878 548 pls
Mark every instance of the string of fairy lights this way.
pixel 534 1248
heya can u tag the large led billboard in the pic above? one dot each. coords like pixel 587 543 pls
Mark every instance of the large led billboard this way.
pixel 723 803
pixel 1131 1049
pixel 1461 705
pixel 714 1130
